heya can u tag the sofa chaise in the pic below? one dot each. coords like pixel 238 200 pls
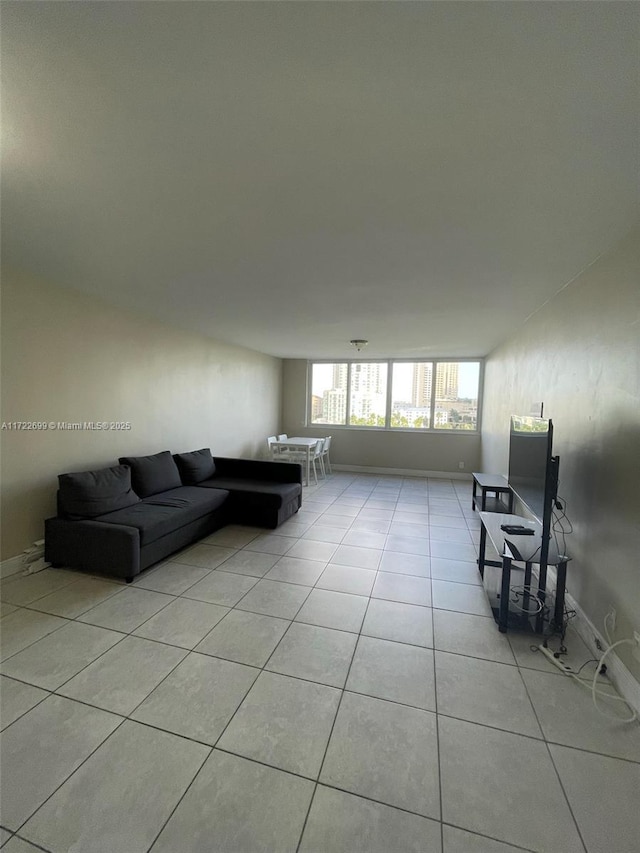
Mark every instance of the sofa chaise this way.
pixel 121 520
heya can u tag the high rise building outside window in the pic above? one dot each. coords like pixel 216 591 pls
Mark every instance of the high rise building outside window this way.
pixel 429 395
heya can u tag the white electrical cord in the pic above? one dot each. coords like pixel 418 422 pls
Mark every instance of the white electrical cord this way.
pixel 595 692
pixel 591 685
pixel 606 627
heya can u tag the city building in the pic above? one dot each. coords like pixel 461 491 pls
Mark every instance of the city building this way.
pixel 447 381
pixel 422 384
pixel 368 390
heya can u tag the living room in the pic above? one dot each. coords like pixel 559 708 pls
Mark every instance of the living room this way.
pixel 127 295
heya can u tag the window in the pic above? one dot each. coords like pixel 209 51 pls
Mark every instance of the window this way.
pixel 411 395
pixel 329 393
pixel 398 395
pixel 368 394
pixel 456 395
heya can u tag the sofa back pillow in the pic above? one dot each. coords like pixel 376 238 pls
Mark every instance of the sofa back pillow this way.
pixel 196 466
pixel 152 474
pixel 88 494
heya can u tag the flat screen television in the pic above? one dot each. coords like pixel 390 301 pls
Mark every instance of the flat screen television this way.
pixel 533 479
pixel 533 471
pixel 532 476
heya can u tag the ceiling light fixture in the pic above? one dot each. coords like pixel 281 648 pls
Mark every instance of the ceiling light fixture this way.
pixel 358 343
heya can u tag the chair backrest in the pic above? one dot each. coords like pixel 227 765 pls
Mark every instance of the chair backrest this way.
pixel 319 448
pixel 327 444
pixel 270 440
pixel 282 437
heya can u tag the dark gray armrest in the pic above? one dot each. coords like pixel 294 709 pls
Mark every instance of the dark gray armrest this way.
pixel 256 469
pixel 93 546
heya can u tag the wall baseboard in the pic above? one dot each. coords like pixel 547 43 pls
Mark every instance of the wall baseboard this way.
pixel 403 472
pixel 622 679
pixel 625 683
pixel 11 566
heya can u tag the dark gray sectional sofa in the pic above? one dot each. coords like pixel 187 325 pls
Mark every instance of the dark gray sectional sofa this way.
pixel 122 519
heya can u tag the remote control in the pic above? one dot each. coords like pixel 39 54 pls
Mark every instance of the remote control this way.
pixel 517 529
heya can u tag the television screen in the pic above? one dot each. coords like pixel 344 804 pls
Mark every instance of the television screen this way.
pixel 530 462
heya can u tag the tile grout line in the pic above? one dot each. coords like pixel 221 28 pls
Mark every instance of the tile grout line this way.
pixel 33 707
pixel 488 837
pixel 333 724
pixel 33 843
pixel 39 638
pixel 184 794
pixel 73 772
pixel 355 647
pixel 437 714
pixel 553 764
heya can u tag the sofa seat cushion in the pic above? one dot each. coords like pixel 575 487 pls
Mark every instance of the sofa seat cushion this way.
pixel 161 514
pixel 266 493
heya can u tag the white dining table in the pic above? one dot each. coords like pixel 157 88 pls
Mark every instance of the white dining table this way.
pixel 298 443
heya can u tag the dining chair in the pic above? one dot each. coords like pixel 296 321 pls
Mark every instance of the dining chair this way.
pixel 299 455
pixel 317 458
pixel 326 462
pixel 284 454
pixel 274 452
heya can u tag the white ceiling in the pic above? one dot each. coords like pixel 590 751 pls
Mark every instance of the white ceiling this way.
pixel 288 176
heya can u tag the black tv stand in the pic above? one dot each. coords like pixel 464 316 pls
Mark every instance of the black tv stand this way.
pixel 531 613
pixel 491 484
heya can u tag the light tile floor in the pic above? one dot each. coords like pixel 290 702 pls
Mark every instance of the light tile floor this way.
pixel 338 684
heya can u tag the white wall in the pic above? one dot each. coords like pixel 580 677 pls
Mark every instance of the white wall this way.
pixel 70 357
pixel 580 354
pixel 382 449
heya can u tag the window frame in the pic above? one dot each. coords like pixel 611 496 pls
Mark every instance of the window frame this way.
pixel 430 430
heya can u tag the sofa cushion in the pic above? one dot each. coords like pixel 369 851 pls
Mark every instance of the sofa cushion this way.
pixel 152 474
pixel 268 494
pixel 196 466
pixel 88 494
pixel 163 513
